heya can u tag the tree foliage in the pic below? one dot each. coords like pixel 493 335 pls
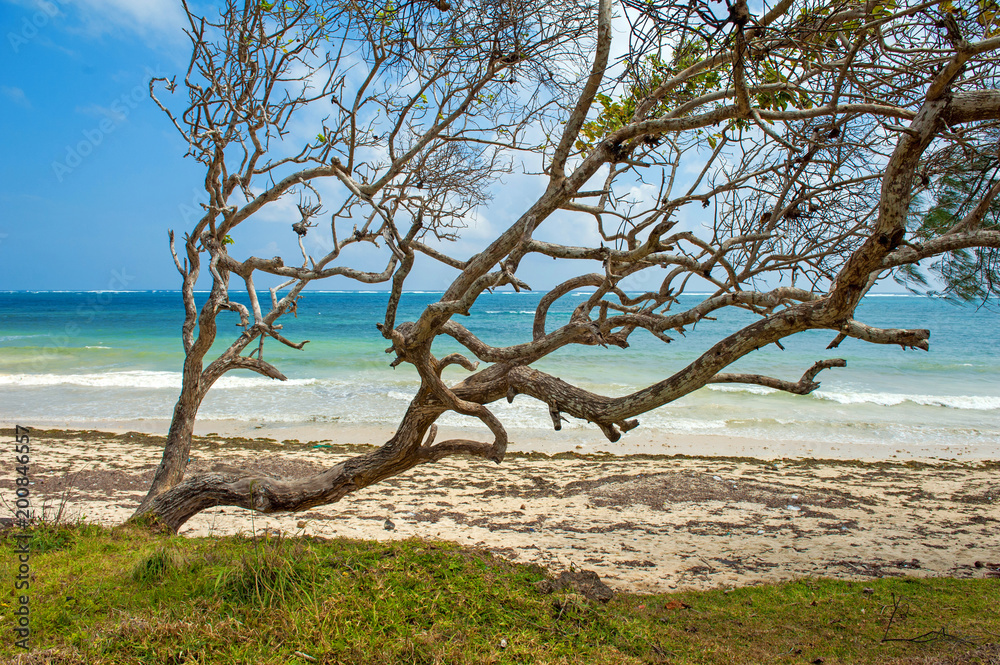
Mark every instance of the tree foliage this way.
pixel 967 274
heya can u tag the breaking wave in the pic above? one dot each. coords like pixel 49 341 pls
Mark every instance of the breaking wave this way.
pixel 138 379
pixel 968 402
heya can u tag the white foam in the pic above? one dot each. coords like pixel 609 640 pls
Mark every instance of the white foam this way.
pixel 691 425
pixel 741 388
pixel 138 379
pixel 970 402
pixel 512 311
pixel 673 424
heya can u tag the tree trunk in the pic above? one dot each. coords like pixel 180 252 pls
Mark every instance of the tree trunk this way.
pixel 175 505
pixel 177 449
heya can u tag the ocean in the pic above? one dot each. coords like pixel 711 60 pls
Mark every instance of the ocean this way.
pixel 115 357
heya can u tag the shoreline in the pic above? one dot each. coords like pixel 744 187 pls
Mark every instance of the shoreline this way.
pixel 579 440
pixel 644 522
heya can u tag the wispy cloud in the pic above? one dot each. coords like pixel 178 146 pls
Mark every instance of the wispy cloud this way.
pixel 99 111
pixel 143 18
pixel 16 95
pixel 96 18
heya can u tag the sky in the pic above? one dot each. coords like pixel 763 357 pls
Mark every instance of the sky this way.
pixel 93 174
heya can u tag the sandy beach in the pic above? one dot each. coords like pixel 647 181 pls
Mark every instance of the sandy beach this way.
pixel 644 522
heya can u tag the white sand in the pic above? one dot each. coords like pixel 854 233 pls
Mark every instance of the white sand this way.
pixel 589 440
pixel 648 524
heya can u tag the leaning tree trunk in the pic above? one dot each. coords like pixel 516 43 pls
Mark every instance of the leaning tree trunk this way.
pixel 195 380
pixel 174 506
pixel 177 448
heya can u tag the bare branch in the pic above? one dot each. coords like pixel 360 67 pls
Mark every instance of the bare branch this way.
pixel 803 386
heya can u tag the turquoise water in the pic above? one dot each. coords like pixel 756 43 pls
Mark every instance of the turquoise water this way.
pixel 115 356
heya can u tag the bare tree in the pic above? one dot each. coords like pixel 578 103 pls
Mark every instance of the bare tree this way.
pixel 402 132
pixel 817 130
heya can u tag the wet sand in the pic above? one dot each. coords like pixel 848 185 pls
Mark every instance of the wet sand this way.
pixel 643 522
pixel 585 440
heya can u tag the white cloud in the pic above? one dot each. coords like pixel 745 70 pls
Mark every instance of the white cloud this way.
pixel 101 112
pixel 282 210
pixel 158 22
pixel 270 249
pixel 16 95
pixel 140 16
pixel 100 17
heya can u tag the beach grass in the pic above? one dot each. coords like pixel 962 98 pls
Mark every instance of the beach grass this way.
pixel 124 595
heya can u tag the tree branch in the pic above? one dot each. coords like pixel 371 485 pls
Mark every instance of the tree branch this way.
pixel 803 386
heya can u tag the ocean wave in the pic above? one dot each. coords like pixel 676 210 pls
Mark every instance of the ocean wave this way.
pixel 138 379
pixel 741 388
pixel 95 291
pixel 964 402
pixel 97 347
pixel 689 425
pixel 512 311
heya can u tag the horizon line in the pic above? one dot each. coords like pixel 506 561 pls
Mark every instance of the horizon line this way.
pixel 376 291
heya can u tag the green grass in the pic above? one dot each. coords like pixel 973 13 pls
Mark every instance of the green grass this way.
pixel 126 596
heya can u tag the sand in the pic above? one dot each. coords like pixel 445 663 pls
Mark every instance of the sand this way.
pixel 647 523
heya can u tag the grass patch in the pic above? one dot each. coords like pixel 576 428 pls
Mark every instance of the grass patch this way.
pixel 271 574
pixel 161 562
pixel 125 595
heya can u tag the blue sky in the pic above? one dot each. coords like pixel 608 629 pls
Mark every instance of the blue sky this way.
pixel 93 173
pixel 90 177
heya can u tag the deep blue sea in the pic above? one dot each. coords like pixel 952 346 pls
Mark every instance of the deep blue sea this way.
pixel 100 357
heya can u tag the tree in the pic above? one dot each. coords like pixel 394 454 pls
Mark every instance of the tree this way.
pixel 970 273
pixel 813 129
